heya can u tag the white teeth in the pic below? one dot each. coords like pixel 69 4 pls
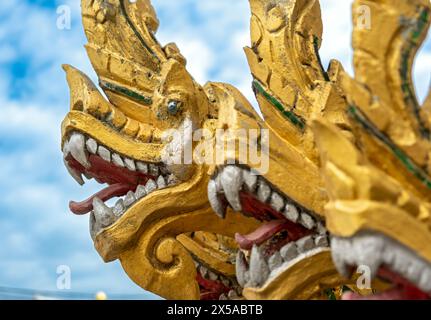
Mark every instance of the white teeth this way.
pixel 369 251
pixel 104 153
pixel 76 147
pixel 214 200
pixel 142 167
pixel 94 226
pixel 289 252
pixel 259 270
pixel 119 208
pixel 164 171
pixel 250 181
pixel 154 170
pixel 415 271
pixel 223 297
pixel 140 192
pixel 361 250
pixel 102 213
pixel 275 261
pixel 130 164
pixel 291 213
pixel 307 221
pixel 341 250
pixel 263 192
pixel 172 180
pixel 87 175
pixel 232 295
pixel 231 180
pixel 225 282
pixel 321 241
pixel 212 276
pixel 150 186
pixel 66 149
pixel 277 202
pixel 129 199
pixel 161 183
pixel 117 160
pixel 305 244
pixel 75 175
pixel 92 146
pixel 203 271
pixel 196 264
pixel 241 269
pixel 425 281
pixel 321 228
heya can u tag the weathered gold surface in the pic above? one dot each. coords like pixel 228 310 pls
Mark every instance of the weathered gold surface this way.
pixel 160 263
pixel 380 179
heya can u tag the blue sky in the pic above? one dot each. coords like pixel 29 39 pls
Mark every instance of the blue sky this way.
pixel 37 232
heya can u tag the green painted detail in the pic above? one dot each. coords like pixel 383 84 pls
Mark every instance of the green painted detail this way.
pixel 127 92
pixel 421 25
pixel 291 116
pixel 408 163
pixel 409 95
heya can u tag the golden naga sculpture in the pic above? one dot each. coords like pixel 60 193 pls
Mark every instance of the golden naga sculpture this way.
pixel 379 181
pixel 272 236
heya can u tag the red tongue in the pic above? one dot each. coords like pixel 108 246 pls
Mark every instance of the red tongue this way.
pixel 115 190
pixel 263 233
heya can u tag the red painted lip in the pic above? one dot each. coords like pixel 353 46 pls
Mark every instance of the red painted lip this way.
pixel 120 181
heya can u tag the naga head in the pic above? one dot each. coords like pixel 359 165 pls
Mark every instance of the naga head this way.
pixel 378 180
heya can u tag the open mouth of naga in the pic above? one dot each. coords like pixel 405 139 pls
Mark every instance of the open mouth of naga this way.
pixel 289 233
pixel 408 275
pixel 126 179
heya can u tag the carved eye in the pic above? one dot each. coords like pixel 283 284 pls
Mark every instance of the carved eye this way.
pixel 174 107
